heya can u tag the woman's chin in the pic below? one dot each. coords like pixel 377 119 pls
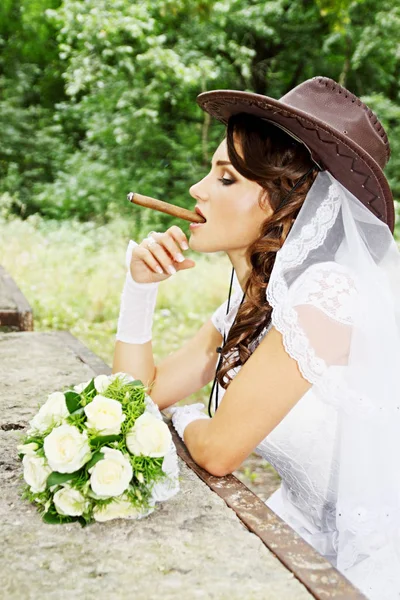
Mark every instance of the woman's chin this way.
pixel 203 245
pixel 197 244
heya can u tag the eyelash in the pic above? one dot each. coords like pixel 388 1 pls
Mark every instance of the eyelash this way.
pixel 226 181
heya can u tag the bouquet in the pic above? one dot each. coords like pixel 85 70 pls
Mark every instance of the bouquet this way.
pixel 97 452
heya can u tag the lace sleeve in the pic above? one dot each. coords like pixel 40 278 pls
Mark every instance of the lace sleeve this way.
pixel 324 300
pixel 330 288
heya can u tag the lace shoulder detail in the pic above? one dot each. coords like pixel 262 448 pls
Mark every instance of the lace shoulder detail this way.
pixel 329 287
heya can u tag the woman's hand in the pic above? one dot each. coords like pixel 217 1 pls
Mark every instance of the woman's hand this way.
pixel 151 262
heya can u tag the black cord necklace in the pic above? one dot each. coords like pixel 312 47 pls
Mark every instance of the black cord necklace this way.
pixel 219 350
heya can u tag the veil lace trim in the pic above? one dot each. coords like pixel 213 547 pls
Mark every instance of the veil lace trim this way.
pixel 284 317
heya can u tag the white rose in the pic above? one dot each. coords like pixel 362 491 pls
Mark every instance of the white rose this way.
pixel 66 449
pixel 111 475
pixel 51 413
pixel 69 501
pixel 36 472
pixel 120 508
pixel 28 448
pixel 149 436
pixel 81 386
pixel 101 383
pixel 105 415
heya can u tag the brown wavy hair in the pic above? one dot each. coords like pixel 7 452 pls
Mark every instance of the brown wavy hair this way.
pixel 276 161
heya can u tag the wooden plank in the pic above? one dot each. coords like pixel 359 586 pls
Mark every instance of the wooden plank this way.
pixel 15 310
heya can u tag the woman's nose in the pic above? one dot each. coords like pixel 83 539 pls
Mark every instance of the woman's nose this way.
pixel 198 191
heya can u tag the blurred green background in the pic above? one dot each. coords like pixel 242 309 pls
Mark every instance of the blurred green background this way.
pixel 98 98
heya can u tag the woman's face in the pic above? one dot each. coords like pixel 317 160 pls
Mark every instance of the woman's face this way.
pixel 229 202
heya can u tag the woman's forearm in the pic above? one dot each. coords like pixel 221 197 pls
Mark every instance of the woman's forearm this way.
pixel 196 438
pixel 135 359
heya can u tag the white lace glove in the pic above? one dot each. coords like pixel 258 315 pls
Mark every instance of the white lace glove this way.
pixel 183 415
pixel 138 301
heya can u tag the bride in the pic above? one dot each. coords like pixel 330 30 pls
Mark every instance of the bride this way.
pixel 308 343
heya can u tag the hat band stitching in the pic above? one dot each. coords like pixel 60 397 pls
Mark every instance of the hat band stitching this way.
pixel 354 159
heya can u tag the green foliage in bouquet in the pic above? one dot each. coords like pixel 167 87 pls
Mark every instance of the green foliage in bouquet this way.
pixel 97 452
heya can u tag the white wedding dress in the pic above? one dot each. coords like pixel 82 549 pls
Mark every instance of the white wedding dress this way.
pixel 301 448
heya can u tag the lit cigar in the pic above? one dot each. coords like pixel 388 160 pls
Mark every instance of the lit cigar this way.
pixel 165 207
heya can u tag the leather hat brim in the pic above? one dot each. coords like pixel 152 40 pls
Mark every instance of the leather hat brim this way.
pixel 350 164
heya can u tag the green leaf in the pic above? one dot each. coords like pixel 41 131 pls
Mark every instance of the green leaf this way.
pixel 55 519
pixel 105 439
pixel 79 411
pixel 82 521
pixel 56 478
pixel 73 401
pixel 89 387
pixel 33 439
pixel 95 458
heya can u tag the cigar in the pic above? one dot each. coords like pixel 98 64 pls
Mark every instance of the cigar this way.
pixel 165 207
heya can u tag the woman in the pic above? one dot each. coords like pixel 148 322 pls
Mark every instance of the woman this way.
pixel 309 343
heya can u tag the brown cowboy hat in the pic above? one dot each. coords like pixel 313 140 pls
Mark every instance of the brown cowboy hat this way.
pixel 342 134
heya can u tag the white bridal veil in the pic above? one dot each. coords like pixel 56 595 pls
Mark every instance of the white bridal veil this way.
pixel 350 351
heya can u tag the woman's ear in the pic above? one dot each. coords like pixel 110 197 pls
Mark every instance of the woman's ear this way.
pixel 264 202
